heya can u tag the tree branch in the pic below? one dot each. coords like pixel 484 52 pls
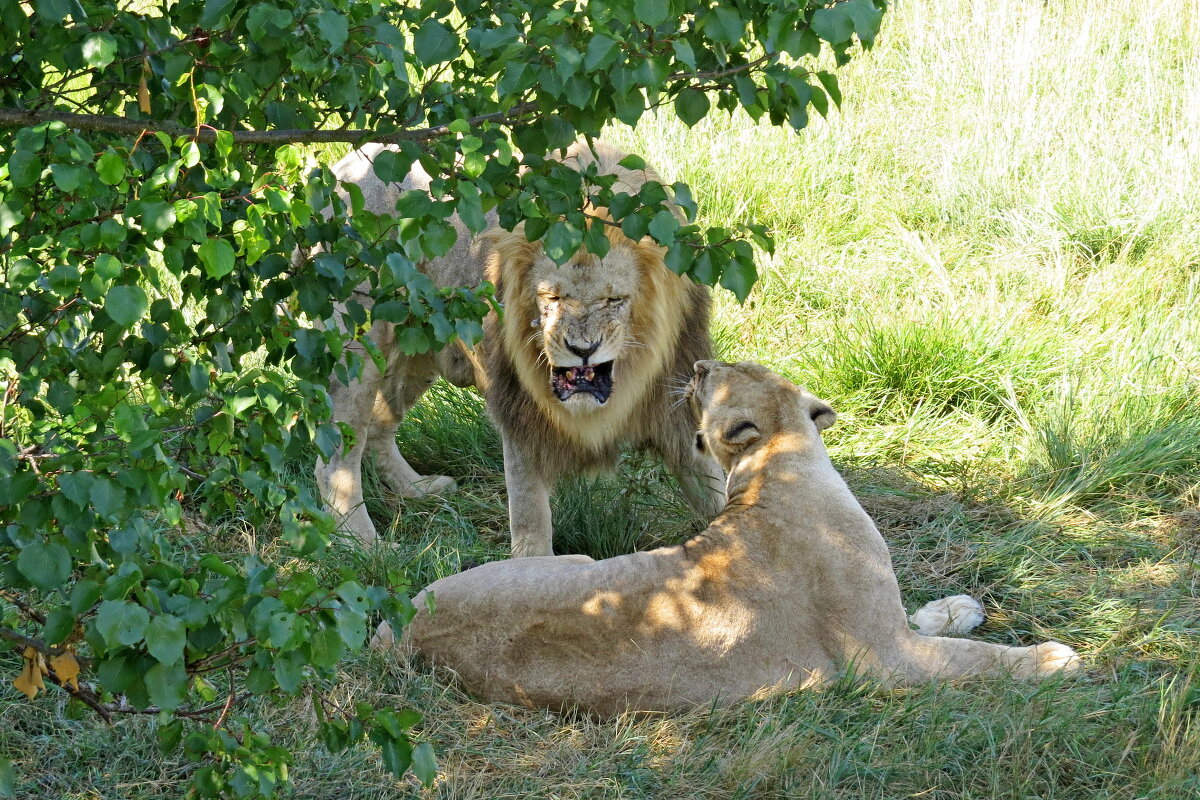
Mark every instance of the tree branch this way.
pixel 19 118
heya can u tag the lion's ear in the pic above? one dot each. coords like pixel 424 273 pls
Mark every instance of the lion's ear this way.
pixel 741 433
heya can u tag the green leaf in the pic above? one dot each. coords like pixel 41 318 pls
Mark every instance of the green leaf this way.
pixel 47 565
pixel 54 11
pixel 59 624
pixel 289 671
pixel 84 595
pixel 266 21
pixel 470 207
pixel 24 168
pixel 652 12
pixel 111 168
pixel 739 278
pixel 691 106
pixel 600 52
pixel 8 778
pixel 10 217
pixel 830 82
pixel 833 24
pixel 632 161
pixel 126 304
pixel 166 685
pixel 397 755
pixel 107 266
pixel 169 736
pixel 424 765
pixel 107 498
pixel 663 227
pixel 434 43
pixel 99 49
pixel 120 622
pixel 866 17
pixel 214 10
pixel 326 647
pixel 562 242
pixel 333 28
pixel 157 217
pixel 684 53
pixel 724 24
pixel 412 341
pixel 165 638
pixel 217 257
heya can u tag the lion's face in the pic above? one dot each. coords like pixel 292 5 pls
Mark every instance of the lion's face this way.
pixel 591 341
pixel 736 405
pixel 583 312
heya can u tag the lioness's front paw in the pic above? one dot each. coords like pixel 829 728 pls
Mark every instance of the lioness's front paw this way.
pixel 430 484
pixel 1056 657
pixel 950 616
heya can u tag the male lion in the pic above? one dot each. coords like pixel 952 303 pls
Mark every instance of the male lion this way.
pixel 580 365
pixel 790 584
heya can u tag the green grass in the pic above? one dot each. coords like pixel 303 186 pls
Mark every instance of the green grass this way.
pixel 989 262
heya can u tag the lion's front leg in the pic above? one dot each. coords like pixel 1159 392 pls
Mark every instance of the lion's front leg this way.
pixel 528 505
pixel 339 482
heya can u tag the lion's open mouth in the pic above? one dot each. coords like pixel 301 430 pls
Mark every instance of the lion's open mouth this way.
pixel 595 379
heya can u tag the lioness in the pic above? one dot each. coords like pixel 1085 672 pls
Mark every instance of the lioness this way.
pixel 580 365
pixel 790 584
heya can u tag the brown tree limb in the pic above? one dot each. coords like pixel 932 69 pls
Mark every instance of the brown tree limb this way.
pixel 20 117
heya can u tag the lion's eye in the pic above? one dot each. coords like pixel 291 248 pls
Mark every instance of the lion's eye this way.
pixel 550 298
pixel 615 301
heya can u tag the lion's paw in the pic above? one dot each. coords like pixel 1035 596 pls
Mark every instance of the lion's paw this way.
pixel 950 616
pixel 430 484
pixel 1056 657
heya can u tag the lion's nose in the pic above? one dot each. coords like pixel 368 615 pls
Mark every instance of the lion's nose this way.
pixel 584 352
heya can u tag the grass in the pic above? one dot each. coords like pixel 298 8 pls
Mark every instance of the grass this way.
pixel 989 262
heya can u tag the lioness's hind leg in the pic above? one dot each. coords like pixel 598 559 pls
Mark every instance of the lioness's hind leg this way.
pixel 940 657
pixel 950 616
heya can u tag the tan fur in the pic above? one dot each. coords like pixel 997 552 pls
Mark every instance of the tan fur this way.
pixel 652 337
pixel 790 585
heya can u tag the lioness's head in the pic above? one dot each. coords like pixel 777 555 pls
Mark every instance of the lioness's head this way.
pixel 588 331
pixel 739 405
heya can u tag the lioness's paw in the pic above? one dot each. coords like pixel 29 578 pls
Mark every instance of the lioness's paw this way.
pixel 384 639
pixel 950 616
pixel 430 484
pixel 1056 657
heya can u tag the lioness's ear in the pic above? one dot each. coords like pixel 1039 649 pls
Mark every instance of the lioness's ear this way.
pixel 822 414
pixel 741 433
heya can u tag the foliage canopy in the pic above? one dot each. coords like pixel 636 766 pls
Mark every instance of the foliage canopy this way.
pixel 160 357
